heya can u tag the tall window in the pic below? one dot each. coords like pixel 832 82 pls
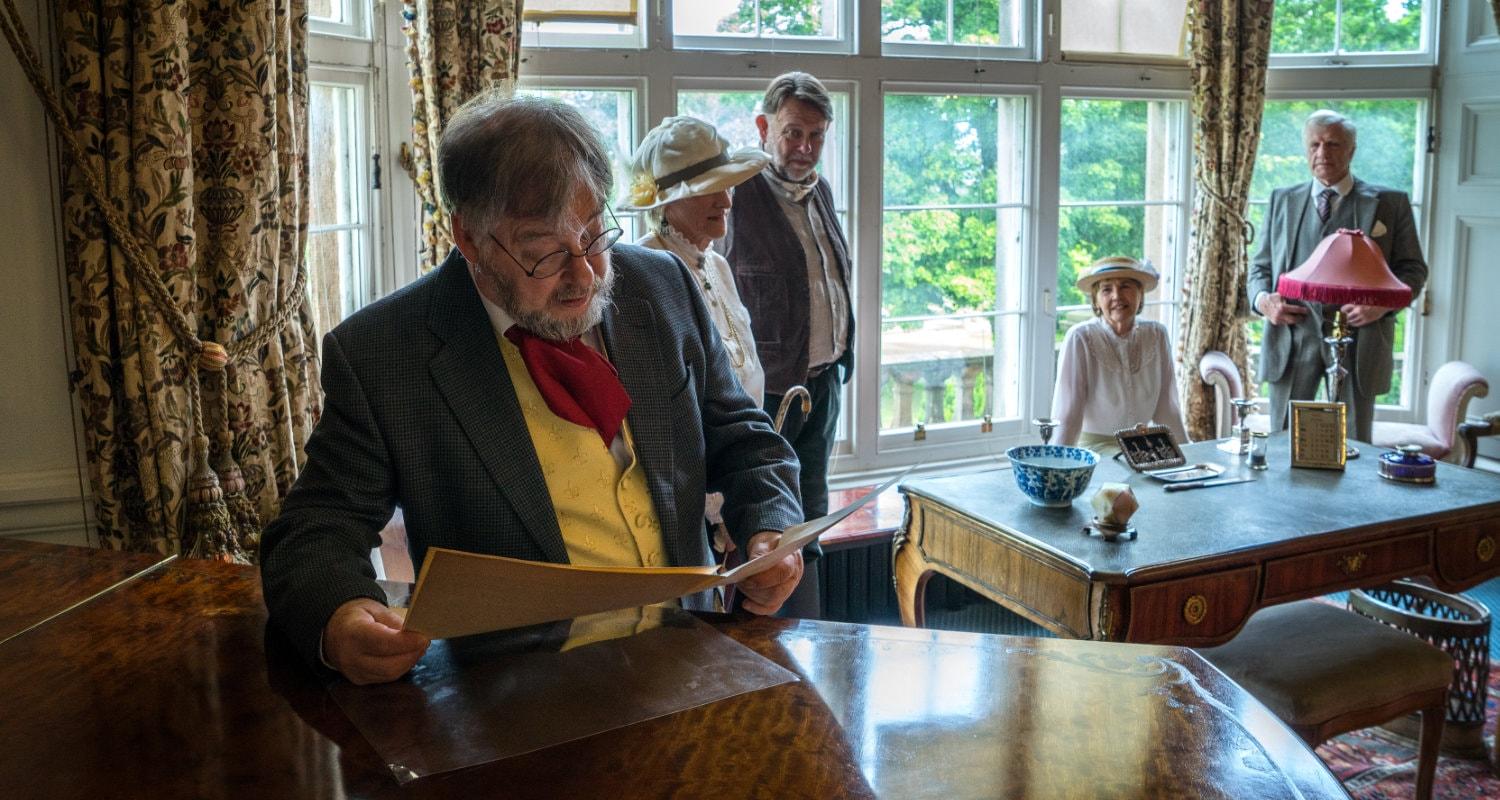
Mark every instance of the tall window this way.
pixel 952 262
pixel 362 226
pixel 1389 153
pixel 340 245
pixel 1122 193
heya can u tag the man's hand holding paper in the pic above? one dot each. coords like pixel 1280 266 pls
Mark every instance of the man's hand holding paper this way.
pixel 766 591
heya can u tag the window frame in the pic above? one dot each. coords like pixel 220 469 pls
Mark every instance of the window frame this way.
pixel 1027 50
pixel 843 42
pixel 535 35
pixel 956 439
pixel 1425 56
pixel 393 210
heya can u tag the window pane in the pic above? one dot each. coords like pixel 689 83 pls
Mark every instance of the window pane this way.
pixel 989 23
pixel 1381 26
pixel 951 256
pixel 947 149
pixel 1121 188
pixel 327 10
pixel 334 187
pixel 768 18
pixel 610 111
pixel 333 271
pixel 1386 151
pixel 908 21
pixel 733 114
pixel 1157 28
pixel 1366 26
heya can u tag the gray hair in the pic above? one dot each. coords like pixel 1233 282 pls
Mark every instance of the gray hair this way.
pixel 796 86
pixel 519 157
pixel 1325 118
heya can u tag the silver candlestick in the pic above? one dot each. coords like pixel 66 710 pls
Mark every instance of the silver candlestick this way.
pixel 1045 426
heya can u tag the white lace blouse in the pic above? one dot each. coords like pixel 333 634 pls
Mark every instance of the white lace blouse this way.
pixel 1106 382
pixel 715 282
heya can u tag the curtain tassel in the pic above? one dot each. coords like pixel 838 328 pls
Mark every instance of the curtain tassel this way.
pixel 242 512
pixel 209 525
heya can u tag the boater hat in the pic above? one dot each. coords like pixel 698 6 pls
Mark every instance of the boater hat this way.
pixel 1118 267
pixel 685 157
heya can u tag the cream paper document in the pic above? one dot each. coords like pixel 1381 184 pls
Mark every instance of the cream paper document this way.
pixel 459 593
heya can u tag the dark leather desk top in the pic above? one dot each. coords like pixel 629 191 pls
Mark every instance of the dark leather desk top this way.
pixel 1281 505
pixel 170 687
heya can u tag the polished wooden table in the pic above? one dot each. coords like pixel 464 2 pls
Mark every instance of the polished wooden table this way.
pixel 171 686
pixel 1204 560
pixel 39 581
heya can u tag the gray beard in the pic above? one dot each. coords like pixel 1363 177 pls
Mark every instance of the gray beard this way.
pixel 549 327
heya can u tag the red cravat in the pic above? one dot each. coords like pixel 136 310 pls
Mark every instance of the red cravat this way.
pixel 578 384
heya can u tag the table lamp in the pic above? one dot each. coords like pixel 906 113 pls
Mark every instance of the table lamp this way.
pixel 1346 267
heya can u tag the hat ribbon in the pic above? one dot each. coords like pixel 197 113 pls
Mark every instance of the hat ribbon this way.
pixel 688 173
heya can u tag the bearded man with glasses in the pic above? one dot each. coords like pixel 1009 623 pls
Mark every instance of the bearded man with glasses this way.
pixel 543 395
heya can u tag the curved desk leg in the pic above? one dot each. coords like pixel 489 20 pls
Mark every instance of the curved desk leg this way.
pixel 910 573
pixel 909 570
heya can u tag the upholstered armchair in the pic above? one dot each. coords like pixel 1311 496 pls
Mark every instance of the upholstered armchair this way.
pixel 1453 385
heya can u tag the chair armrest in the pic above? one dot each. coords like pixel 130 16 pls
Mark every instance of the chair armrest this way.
pixel 1471 431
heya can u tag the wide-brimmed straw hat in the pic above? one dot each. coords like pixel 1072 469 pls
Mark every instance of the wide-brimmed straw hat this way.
pixel 1118 267
pixel 685 157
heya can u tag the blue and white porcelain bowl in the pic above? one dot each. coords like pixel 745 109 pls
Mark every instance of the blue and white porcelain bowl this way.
pixel 1052 475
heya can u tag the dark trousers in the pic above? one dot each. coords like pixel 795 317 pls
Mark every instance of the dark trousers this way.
pixel 811 436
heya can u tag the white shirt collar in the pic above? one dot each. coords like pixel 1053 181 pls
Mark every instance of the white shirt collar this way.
pixel 1343 187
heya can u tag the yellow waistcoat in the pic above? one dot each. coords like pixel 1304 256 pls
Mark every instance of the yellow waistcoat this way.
pixel 605 512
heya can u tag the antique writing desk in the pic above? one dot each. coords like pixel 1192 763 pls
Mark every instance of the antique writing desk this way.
pixel 1203 560
pixel 170 686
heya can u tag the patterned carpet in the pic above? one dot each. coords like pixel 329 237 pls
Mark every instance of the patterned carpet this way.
pixel 1377 765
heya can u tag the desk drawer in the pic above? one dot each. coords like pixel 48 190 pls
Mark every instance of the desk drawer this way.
pixel 1468 549
pixel 1356 565
pixel 1192 610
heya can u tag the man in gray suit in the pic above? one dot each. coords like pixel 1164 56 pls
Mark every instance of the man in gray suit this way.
pixel 1292 356
pixel 542 395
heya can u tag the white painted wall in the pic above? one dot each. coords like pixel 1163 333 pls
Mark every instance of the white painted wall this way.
pixel 39 460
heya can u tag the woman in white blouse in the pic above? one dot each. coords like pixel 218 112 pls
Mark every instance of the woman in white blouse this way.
pixel 682 176
pixel 1115 371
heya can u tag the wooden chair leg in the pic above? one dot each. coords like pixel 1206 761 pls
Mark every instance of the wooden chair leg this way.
pixel 1427 748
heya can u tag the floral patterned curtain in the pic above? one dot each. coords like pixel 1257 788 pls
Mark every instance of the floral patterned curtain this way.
pixel 456 49
pixel 186 292
pixel 1231 42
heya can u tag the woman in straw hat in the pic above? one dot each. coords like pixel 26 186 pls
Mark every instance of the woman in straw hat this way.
pixel 1115 371
pixel 681 176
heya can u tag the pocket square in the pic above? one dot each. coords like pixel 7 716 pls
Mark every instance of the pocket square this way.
pixel 1377 231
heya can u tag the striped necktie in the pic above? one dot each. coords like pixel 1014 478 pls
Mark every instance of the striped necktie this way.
pixel 1325 203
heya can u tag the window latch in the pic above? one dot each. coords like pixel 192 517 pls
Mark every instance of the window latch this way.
pixel 375 172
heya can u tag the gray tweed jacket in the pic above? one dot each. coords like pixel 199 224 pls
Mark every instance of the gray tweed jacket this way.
pixel 419 412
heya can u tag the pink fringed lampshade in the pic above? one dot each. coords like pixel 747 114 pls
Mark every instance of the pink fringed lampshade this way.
pixel 1346 268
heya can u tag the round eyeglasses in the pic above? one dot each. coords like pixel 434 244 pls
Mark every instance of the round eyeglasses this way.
pixel 553 263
